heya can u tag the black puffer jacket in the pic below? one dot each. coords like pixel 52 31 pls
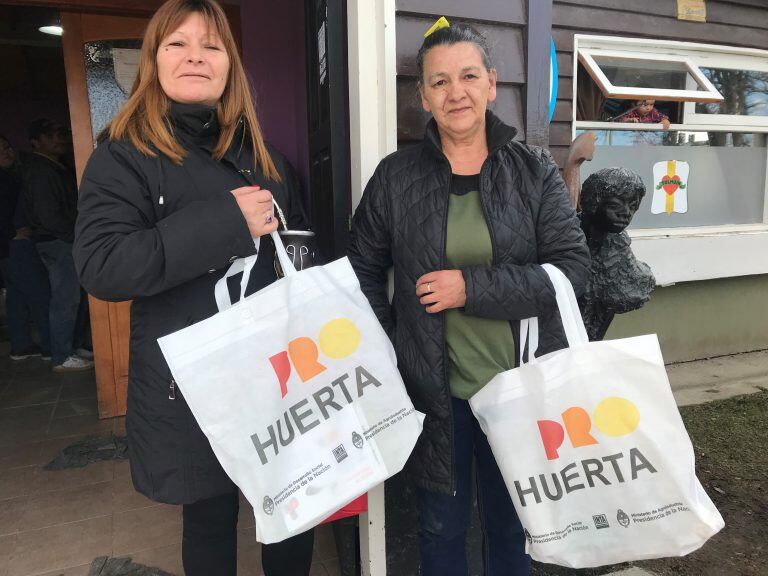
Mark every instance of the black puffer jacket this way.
pixel 401 222
pixel 162 235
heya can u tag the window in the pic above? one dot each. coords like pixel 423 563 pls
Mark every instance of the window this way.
pixel 634 76
pixel 725 184
pixel 745 102
pixel 692 121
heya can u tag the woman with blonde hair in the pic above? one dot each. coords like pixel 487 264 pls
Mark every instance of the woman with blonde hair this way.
pixel 179 187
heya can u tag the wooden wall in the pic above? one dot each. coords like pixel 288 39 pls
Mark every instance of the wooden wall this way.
pixel 729 22
pixel 503 22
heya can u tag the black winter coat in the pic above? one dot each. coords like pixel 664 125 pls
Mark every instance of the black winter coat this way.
pixel 402 221
pixel 50 198
pixel 162 235
pixel 10 186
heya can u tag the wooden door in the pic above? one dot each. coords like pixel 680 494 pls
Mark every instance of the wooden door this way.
pixel 91 44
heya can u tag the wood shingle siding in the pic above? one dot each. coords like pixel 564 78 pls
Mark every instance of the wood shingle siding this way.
pixel 506 11
pixel 729 23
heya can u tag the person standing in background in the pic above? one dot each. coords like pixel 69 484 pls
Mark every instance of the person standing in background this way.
pixel 50 204
pixel 25 277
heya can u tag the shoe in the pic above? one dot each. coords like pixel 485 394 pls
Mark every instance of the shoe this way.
pixel 73 364
pixel 84 353
pixel 29 352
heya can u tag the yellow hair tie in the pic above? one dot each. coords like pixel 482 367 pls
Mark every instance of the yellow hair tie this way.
pixel 441 22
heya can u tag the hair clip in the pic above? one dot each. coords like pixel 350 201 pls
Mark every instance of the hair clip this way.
pixel 441 22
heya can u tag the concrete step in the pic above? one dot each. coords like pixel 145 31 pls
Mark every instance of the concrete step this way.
pixel 634 571
pixel 702 381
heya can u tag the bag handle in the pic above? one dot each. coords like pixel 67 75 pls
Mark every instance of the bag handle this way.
pixel 280 214
pixel 286 262
pixel 245 265
pixel 568 306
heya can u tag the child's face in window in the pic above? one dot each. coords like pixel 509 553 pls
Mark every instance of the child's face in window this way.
pixel 645 106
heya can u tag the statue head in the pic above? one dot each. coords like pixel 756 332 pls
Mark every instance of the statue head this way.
pixel 610 197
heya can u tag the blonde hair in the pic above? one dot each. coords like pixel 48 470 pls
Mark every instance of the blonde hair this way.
pixel 143 118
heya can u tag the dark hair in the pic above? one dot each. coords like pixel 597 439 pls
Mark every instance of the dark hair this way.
pixel 42 126
pixel 453 35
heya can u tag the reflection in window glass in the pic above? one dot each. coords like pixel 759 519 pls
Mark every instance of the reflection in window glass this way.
pixel 745 92
pixel 109 72
pixel 675 138
pixel 724 176
pixel 647 74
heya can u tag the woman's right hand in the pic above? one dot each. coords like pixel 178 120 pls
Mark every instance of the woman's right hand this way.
pixel 258 211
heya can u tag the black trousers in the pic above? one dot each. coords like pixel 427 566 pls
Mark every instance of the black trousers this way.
pixel 209 543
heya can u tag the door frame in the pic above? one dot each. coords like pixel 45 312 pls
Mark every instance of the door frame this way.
pixel 372 136
pixel 109 321
pixel 336 128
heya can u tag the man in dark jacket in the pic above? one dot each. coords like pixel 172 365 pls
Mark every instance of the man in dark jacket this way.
pixel 50 202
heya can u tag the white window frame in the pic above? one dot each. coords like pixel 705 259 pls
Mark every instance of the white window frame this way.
pixel 695 253
pixel 727 62
pixel 708 94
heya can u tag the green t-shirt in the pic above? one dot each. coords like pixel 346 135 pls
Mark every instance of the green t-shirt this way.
pixel 478 348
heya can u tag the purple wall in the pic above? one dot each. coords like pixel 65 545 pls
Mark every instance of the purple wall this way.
pixel 274 58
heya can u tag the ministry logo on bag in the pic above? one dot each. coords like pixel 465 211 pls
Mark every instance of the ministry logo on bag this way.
pixel 622 518
pixel 268 505
pixel 339 453
pixel 357 440
pixel 614 417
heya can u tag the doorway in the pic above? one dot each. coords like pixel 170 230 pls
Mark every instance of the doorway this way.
pixel 328 111
pixel 99 52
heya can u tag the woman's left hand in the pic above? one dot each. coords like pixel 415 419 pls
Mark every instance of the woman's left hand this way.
pixel 441 290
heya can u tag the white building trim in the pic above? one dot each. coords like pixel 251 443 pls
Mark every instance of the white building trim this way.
pixel 373 135
pixel 692 254
pixel 372 88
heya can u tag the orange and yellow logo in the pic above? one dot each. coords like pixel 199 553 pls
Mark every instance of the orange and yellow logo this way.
pixel 337 339
pixel 613 416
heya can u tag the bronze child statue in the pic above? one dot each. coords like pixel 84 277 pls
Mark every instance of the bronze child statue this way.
pixel 618 281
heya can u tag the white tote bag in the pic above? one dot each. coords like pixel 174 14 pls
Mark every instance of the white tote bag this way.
pixel 593 450
pixel 297 389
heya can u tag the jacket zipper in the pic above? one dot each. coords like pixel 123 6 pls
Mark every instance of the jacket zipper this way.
pixel 172 390
pixel 442 266
pixel 442 320
pixel 494 259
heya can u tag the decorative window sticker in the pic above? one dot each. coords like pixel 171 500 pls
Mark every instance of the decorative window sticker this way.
pixel 670 191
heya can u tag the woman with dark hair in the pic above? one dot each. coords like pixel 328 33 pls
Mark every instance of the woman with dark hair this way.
pixel 466 218
pixel 178 189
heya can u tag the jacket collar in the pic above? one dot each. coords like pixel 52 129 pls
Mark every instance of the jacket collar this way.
pixel 497 134
pixel 198 121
